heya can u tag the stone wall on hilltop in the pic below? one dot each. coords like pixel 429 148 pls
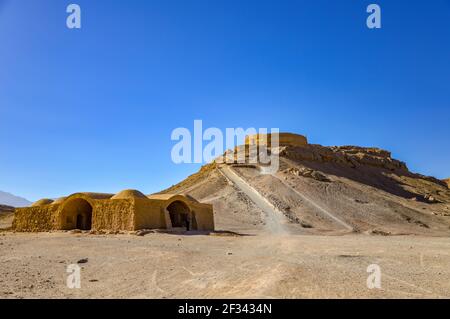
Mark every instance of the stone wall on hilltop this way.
pixel 284 139
pixel 352 156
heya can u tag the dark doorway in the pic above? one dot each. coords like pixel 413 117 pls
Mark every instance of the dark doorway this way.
pixel 80 223
pixel 84 221
pixel 179 215
pixel 77 214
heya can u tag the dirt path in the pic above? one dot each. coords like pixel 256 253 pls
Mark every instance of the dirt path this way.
pixel 319 208
pixel 6 220
pixel 316 206
pixel 275 220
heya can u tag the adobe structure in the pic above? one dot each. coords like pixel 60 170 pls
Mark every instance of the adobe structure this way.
pixel 128 210
pixel 283 139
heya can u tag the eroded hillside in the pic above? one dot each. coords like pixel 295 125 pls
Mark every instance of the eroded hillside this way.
pixel 324 190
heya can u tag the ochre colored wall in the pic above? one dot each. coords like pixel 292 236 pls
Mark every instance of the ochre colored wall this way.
pixel 36 219
pixel 204 216
pixel 284 139
pixel 69 211
pixel 107 214
pixel 149 214
pixel 113 214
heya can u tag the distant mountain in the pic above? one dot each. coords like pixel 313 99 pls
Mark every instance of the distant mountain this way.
pixel 12 200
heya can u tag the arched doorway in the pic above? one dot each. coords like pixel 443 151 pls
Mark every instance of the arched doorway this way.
pixel 180 215
pixel 76 214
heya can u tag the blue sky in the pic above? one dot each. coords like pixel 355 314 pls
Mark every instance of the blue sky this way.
pixel 93 109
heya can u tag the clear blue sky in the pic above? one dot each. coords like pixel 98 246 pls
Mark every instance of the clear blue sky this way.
pixel 93 109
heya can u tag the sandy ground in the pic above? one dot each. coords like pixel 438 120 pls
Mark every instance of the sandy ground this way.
pixel 6 220
pixel 205 266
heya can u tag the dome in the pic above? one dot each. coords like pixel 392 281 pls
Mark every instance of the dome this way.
pixel 59 200
pixel 129 193
pixel 42 202
pixel 95 195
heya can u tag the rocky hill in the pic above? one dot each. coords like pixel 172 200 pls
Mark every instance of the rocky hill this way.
pixel 324 190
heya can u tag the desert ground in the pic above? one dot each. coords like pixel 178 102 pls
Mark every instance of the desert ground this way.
pixel 310 230
pixel 193 265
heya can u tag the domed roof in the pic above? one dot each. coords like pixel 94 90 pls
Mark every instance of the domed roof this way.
pixel 59 200
pixel 128 193
pixel 42 202
pixel 95 195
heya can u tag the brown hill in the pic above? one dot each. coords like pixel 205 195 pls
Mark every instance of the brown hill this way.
pixel 6 209
pixel 323 190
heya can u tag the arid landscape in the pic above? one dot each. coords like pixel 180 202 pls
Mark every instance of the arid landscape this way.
pixel 224 149
pixel 201 266
pixel 308 231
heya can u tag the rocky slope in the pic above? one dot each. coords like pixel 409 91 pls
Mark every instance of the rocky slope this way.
pixel 327 190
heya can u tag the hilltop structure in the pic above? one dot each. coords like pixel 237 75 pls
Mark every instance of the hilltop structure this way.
pixel 127 210
pixel 283 139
